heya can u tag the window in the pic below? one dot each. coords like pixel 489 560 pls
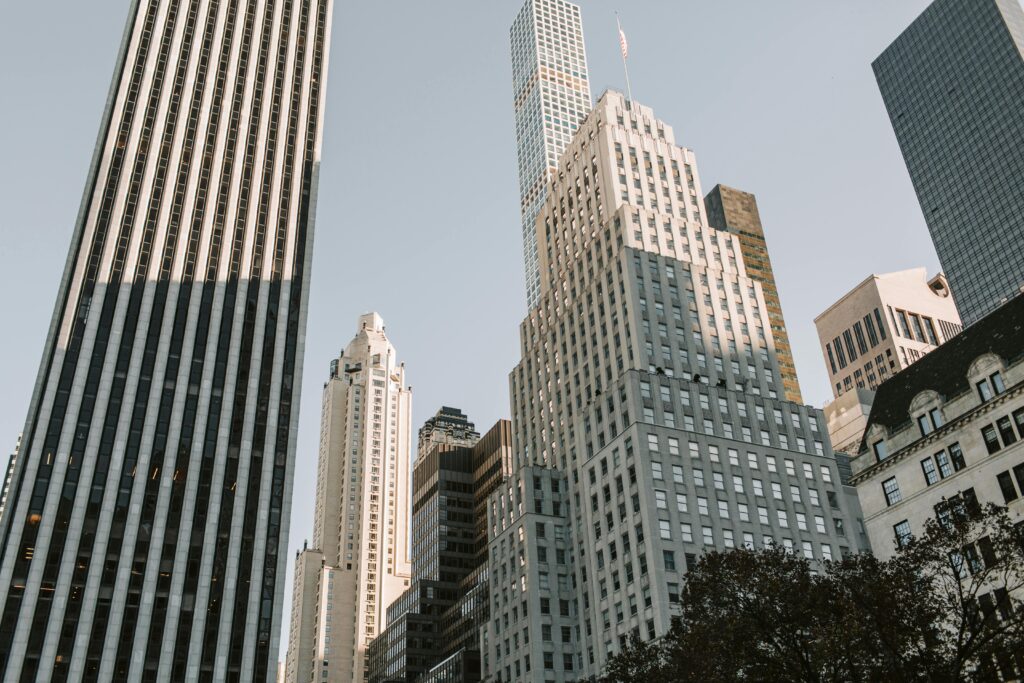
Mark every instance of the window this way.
pixel 1006 430
pixel 880 451
pixel 984 390
pixel 687 533
pixel 936 416
pixel 930 474
pixel 997 383
pixel 944 469
pixel 664 529
pixel 924 424
pixel 770 460
pixel 1006 486
pixel 702 505
pixel 670 560
pixel 902 533
pixel 826 474
pixel 656 470
pixel 1018 417
pixel 988 432
pixel 661 499
pixel 776 490
pixel 891 489
pixel 957 455
pixel 762 515
pixel 709 536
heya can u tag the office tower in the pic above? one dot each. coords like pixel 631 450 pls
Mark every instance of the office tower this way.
pixel 551 96
pixel 359 560
pixel 952 84
pixel 8 475
pixel 648 413
pixel 149 505
pixel 433 629
pixel 947 433
pixel 872 332
pixel 736 211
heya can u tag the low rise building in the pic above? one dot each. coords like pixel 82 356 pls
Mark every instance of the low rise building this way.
pixel 948 431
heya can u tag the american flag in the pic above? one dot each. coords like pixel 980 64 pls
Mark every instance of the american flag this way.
pixel 623 44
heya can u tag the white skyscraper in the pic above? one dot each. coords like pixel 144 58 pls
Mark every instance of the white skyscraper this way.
pixel 151 495
pixel 359 562
pixel 648 411
pixel 552 95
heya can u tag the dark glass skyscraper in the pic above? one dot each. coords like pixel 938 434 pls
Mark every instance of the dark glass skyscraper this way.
pixel 148 506
pixel 953 84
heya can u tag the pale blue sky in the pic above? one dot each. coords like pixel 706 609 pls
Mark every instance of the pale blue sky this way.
pixel 418 212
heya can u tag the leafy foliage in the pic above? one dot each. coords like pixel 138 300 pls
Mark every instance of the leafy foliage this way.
pixel 947 607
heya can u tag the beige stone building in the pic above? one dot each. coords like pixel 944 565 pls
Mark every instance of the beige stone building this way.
pixel 877 329
pixel 947 432
pixel 359 562
pixel 649 413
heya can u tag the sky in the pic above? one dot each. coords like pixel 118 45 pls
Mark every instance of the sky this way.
pixel 418 214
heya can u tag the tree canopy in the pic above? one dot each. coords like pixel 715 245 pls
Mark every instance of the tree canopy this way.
pixel 947 607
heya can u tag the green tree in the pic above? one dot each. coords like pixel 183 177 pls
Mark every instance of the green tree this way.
pixel 945 608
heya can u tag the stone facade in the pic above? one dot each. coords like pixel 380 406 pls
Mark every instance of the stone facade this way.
pixel 361 528
pixel 947 432
pixel 649 415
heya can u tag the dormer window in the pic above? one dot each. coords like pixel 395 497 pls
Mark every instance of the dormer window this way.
pixel 880 451
pixel 993 386
pixel 929 421
pixel 925 425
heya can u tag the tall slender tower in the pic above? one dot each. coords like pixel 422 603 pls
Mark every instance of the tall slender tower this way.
pixel 359 562
pixel 953 84
pixel 648 411
pixel 552 95
pixel 149 504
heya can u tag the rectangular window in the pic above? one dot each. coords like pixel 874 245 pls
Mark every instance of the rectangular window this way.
pixel 924 424
pixel 880 451
pixel 997 383
pixel 930 474
pixel 880 323
pixel 891 489
pixel 902 533
pixel 869 325
pixel 670 560
pixel 1006 430
pixel 984 391
pixel 957 455
pixel 988 432
pixel 1006 486
pixel 944 469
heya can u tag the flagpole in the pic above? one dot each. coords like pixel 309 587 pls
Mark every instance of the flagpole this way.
pixel 623 51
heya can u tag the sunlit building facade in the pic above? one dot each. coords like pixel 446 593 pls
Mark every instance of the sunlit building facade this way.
pixel 145 526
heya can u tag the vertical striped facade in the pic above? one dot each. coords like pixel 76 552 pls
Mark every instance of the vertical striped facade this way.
pixel 551 91
pixel 148 510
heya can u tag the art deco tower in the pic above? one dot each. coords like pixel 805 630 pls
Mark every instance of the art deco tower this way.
pixel 359 562
pixel 552 95
pixel 649 418
pixel 148 507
